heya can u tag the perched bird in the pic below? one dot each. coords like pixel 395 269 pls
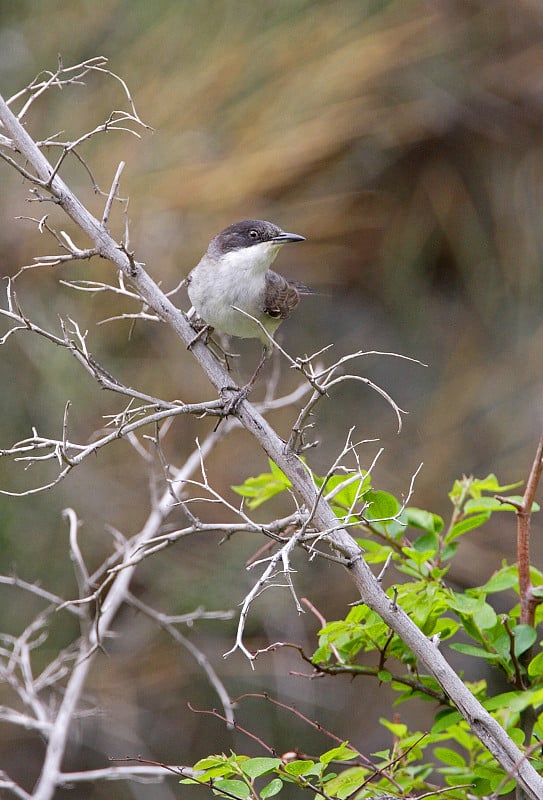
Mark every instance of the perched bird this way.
pixel 233 285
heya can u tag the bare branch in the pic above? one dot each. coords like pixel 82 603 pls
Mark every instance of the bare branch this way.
pixel 80 568
pixel 168 624
pixel 51 775
pixel 264 582
pixel 112 194
pixel 144 774
pixel 13 580
pixel 14 788
pixel 62 77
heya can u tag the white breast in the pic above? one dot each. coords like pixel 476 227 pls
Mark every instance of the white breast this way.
pixel 238 279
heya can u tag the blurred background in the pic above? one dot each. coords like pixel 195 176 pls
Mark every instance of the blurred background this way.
pixel 405 141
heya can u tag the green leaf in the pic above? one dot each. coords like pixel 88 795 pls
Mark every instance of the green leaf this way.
pixel 474 488
pixel 382 506
pixel 471 650
pixel 447 552
pixel 349 495
pixel 263 487
pixel 490 484
pixel 525 636
pixel 375 552
pixel 255 767
pixel 485 617
pixel 518 499
pixel 425 520
pixel 215 767
pixel 535 667
pixel 276 471
pixel 513 701
pixel 396 728
pixel 445 719
pixel 506 578
pixel 493 504
pixel 211 761
pixel 450 757
pixel 341 753
pixel 500 643
pixel 427 543
pixel 299 767
pixel 272 788
pixel 235 788
pixel 482 613
pixel 463 603
pixel 483 504
pixel 419 557
pixel 537 697
pixel 467 524
pixel 457 491
pixel 347 783
pixel 357 613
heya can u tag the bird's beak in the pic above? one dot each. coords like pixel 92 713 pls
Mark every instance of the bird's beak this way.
pixel 285 238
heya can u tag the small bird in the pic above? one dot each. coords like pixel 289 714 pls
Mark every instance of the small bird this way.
pixel 233 285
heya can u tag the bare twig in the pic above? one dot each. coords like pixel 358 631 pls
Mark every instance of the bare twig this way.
pixel 168 623
pixel 112 194
pixel 263 583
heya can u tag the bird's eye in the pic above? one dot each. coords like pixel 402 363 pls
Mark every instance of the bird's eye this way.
pixel 253 234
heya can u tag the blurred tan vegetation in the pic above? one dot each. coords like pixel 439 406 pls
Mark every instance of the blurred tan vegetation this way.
pixel 403 139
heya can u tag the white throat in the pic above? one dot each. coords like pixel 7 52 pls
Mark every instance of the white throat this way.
pixel 253 260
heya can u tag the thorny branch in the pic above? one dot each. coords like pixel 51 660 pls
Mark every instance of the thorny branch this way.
pixel 132 417
pixel 20 152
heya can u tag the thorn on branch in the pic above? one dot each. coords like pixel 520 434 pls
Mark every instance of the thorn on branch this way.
pixel 134 266
pixel 42 198
pixel 112 195
pixel 385 567
pixel 519 507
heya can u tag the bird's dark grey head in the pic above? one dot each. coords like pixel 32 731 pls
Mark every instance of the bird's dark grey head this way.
pixel 248 233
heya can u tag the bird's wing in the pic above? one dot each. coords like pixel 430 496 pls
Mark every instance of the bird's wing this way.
pixel 282 296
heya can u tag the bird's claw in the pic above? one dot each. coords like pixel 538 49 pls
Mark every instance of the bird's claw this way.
pixel 203 332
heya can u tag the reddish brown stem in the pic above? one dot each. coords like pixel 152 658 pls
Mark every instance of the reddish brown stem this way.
pixel 528 602
pixel 235 725
pixel 523 510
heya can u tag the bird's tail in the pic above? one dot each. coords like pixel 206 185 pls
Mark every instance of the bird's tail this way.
pixel 302 288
